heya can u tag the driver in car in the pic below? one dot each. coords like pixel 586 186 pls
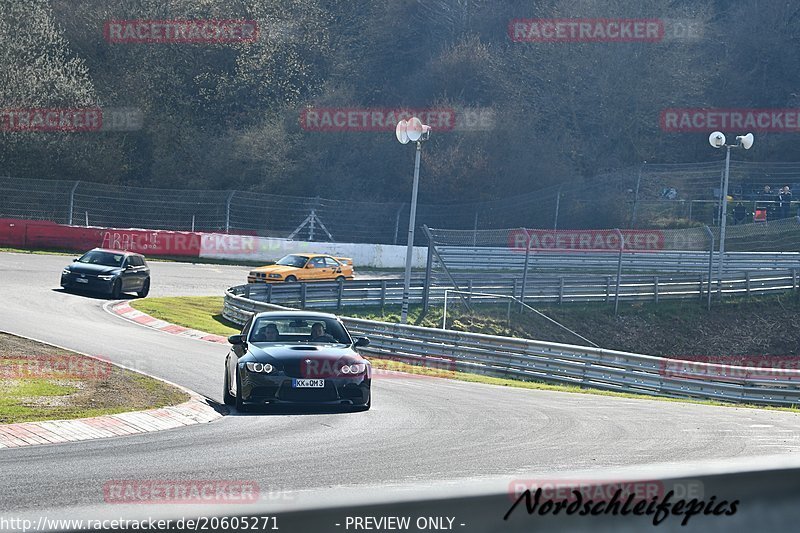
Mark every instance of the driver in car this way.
pixel 318 333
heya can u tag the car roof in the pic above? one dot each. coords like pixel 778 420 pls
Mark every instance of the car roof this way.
pixel 109 250
pixel 306 314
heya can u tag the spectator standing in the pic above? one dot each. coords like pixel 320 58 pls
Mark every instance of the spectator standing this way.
pixel 785 202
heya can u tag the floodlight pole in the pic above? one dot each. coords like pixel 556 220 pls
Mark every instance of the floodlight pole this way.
pixel 410 245
pixel 723 215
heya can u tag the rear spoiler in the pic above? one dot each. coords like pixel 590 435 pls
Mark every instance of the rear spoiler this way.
pixel 344 260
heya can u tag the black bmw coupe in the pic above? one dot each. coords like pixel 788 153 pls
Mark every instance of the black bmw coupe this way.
pixel 296 357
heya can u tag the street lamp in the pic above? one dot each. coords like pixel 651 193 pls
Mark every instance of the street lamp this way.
pixel 415 131
pixel 717 140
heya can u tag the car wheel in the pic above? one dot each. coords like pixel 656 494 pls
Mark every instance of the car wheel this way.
pixel 227 397
pixel 116 289
pixel 145 289
pixel 290 279
pixel 240 406
pixel 341 279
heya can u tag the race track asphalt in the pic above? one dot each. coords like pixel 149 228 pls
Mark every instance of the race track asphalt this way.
pixel 420 430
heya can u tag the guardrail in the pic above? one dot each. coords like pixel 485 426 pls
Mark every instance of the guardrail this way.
pixel 506 258
pixel 538 289
pixel 532 360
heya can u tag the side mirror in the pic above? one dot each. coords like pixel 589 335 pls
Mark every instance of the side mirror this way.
pixel 75 260
pixel 361 342
pixel 236 339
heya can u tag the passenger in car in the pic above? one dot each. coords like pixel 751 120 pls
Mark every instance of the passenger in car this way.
pixel 318 333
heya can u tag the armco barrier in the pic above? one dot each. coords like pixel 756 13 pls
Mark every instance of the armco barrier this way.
pixel 559 363
pixel 502 258
pixel 539 288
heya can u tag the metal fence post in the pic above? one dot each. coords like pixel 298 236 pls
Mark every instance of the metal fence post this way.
pixel 747 281
pixel 636 195
pixel 397 222
pixel 302 295
pixel 655 289
pixel 339 296
pixel 426 289
pixel 72 200
pixel 710 264
pixel 558 205
pixel 560 290
pixel 525 268
pixel 383 295
pixel 228 211
pixel 475 230
pixel 269 293
pixel 619 269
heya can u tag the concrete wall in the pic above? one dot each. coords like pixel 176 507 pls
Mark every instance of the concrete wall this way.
pixel 251 248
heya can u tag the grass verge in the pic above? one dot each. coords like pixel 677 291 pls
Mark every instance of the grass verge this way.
pixel 39 382
pixel 205 314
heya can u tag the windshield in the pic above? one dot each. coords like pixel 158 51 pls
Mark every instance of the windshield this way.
pixel 294 330
pixel 297 261
pixel 102 258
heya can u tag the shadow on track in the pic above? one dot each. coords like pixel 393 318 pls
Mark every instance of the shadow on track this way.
pixel 94 295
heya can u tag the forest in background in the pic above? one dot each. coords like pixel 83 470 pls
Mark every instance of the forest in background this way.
pixel 227 116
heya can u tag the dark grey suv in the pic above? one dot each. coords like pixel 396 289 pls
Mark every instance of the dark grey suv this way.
pixel 112 272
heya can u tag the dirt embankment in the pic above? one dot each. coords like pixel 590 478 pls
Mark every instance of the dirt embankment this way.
pixel 737 327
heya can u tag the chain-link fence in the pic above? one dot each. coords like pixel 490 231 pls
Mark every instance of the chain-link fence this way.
pixel 612 264
pixel 648 196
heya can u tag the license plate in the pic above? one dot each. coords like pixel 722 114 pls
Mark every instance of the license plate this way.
pixel 308 383
pixel 82 280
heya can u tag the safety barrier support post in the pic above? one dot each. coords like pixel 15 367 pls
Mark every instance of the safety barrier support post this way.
pixel 655 289
pixel 525 268
pixel 619 269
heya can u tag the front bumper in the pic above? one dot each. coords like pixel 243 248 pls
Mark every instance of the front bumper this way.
pixel 277 388
pixel 92 283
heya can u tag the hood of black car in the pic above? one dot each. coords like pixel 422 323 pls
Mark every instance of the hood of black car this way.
pixel 295 353
pixel 94 270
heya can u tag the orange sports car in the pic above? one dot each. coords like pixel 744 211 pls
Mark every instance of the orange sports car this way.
pixel 304 267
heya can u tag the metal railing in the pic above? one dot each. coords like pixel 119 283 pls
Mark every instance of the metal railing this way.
pixel 532 360
pixel 505 258
pixel 538 289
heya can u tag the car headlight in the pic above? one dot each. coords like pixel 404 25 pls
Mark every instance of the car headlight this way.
pixel 275 276
pixel 107 277
pixel 353 369
pixel 265 368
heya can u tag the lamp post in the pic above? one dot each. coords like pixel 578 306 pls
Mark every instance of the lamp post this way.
pixel 717 140
pixel 415 131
